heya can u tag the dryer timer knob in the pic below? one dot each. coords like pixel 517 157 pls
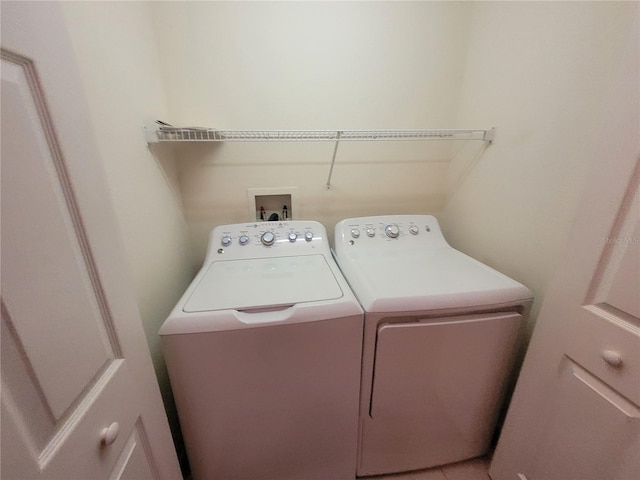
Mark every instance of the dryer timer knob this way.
pixel 392 231
pixel 308 236
pixel 226 241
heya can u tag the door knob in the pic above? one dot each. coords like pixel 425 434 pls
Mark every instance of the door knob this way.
pixel 109 434
pixel 612 357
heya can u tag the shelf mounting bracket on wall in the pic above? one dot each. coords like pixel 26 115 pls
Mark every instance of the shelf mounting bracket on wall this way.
pixel 333 160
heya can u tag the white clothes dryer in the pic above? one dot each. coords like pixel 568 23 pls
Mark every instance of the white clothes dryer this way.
pixel 441 334
pixel 264 354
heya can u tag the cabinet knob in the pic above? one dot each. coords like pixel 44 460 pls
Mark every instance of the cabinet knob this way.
pixel 612 357
pixel 110 433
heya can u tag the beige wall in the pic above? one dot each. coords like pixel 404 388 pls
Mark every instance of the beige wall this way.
pixel 542 73
pixel 312 65
pixel 537 71
pixel 534 70
pixel 116 51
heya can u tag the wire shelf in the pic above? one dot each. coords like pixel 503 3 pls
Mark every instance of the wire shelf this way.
pixel 165 134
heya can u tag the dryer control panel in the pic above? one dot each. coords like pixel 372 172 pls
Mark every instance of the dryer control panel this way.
pixel 389 232
pixel 267 239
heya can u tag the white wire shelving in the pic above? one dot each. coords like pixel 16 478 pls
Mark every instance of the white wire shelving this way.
pixel 166 134
pixel 163 132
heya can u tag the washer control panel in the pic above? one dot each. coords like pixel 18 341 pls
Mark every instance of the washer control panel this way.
pixel 264 239
pixel 389 232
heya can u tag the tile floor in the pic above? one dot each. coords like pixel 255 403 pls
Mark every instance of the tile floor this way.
pixel 475 469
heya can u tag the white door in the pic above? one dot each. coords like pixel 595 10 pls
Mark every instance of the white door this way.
pixel 79 396
pixel 575 414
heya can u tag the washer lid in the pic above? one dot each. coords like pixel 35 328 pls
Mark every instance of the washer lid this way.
pixel 263 283
pixel 432 279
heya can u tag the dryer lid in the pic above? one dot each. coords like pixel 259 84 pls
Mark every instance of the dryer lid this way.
pixel 263 283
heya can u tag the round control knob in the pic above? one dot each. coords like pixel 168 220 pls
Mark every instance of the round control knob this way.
pixel 268 238
pixel 293 236
pixel 226 241
pixel 243 239
pixel 392 231
pixel 371 232
pixel 308 236
pixel 414 230
pixel 355 233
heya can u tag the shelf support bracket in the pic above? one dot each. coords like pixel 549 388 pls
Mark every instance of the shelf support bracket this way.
pixel 333 160
pixel 151 135
pixel 489 134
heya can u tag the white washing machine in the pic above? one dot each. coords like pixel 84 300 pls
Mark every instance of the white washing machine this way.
pixel 264 355
pixel 440 337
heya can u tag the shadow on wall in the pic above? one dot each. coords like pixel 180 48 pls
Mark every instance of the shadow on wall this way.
pixel 464 160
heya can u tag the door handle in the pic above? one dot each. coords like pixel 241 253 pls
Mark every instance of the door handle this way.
pixel 109 434
pixel 613 358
